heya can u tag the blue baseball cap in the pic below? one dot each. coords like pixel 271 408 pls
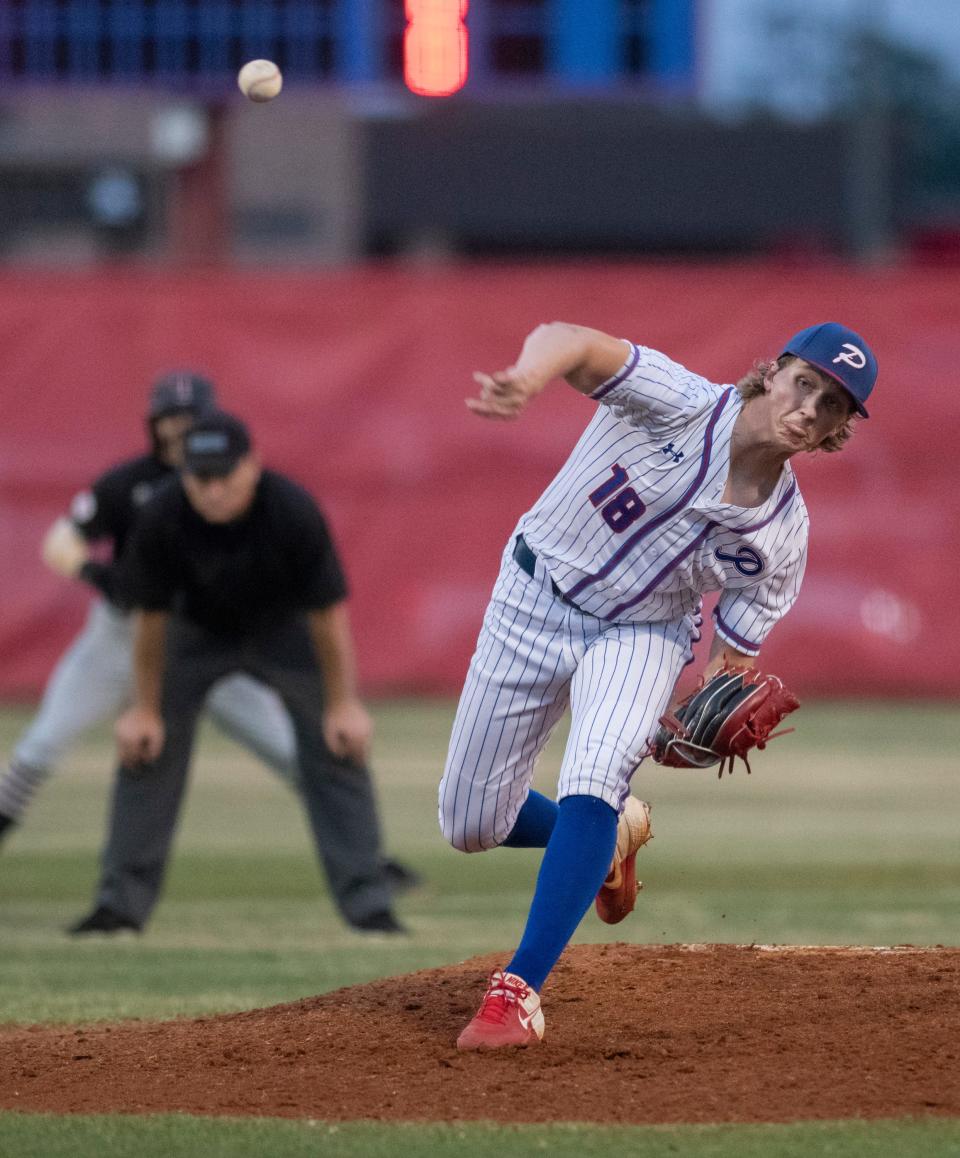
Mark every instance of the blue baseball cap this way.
pixel 841 353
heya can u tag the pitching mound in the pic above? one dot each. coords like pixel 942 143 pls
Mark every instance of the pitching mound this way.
pixel 708 1033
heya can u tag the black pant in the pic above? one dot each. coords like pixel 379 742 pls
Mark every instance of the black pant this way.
pixel 338 794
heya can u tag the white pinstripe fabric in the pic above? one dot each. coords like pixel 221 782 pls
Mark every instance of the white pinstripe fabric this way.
pixel 534 655
pixel 660 441
pixel 658 566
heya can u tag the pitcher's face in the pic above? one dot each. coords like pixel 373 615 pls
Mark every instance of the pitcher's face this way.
pixel 804 405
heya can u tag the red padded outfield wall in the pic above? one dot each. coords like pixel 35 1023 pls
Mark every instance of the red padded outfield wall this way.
pixel 354 383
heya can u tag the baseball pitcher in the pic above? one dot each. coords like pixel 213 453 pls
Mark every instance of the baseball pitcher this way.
pixel 677 487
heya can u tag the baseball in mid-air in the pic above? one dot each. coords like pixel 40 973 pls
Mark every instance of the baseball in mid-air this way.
pixel 260 80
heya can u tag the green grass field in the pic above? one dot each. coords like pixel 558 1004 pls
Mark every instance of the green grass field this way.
pixel 845 834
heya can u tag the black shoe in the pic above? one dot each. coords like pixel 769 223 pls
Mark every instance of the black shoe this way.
pixel 382 921
pixel 102 920
pixel 400 877
pixel 5 823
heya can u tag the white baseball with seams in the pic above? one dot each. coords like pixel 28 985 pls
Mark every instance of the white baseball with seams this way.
pixel 260 80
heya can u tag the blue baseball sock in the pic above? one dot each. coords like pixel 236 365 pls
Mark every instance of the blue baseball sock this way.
pixel 535 822
pixel 574 867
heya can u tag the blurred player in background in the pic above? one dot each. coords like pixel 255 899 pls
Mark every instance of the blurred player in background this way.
pixel 677 487
pixel 232 569
pixel 92 681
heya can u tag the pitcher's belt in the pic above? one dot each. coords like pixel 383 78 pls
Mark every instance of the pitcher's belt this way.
pixel 526 559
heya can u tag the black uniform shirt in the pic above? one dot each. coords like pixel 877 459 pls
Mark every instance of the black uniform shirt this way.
pixel 109 509
pixel 277 560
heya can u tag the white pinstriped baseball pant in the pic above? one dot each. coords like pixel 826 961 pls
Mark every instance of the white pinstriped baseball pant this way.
pixel 536 654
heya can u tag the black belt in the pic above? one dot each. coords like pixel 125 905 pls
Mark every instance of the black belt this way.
pixel 526 559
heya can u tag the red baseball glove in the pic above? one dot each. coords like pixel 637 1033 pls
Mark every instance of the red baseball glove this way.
pixel 730 713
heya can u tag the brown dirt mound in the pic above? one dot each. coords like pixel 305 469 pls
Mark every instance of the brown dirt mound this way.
pixel 712 1033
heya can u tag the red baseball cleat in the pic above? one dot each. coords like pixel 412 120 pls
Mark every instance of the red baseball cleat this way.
pixel 618 894
pixel 509 1015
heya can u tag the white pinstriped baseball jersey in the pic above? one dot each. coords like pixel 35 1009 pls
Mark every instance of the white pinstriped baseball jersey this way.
pixel 632 531
pixel 632 528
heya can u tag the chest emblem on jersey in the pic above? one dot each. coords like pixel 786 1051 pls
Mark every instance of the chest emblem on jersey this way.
pixel 671 451
pixel 746 560
pixel 141 492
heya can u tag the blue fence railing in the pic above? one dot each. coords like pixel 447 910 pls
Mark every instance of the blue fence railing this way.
pixel 600 43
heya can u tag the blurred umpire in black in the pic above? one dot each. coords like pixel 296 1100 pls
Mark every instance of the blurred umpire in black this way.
pixel 233 569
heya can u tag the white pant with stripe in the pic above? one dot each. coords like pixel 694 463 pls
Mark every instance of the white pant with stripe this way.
pixel 536 654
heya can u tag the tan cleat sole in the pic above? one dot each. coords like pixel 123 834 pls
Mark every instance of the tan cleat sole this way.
pixel 618 894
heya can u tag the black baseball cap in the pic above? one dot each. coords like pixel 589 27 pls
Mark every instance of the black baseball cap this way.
pixel 214 445
pixel 180 391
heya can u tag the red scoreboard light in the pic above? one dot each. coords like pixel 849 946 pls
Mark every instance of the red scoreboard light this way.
pixel 435 47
